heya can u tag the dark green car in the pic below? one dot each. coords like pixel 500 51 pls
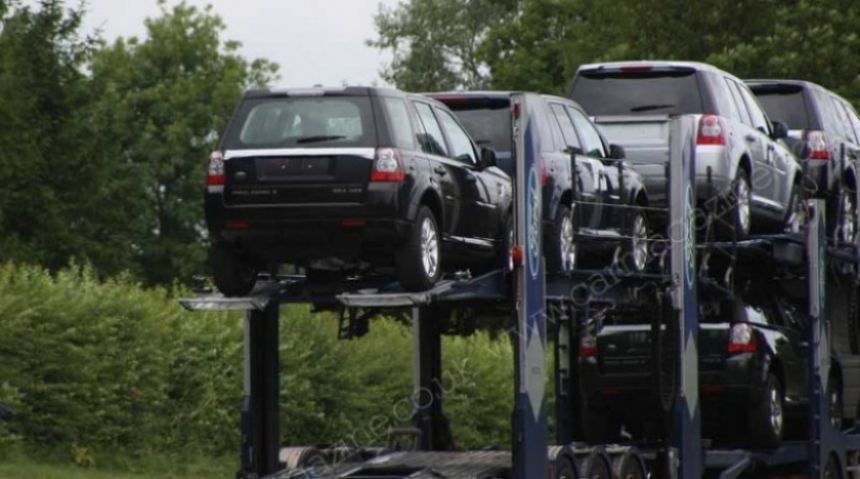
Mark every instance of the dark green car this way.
pixel 752 374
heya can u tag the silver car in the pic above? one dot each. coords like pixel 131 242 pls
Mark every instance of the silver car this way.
pixel 745 170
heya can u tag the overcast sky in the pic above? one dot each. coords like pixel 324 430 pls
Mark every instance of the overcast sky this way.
pixel 313 41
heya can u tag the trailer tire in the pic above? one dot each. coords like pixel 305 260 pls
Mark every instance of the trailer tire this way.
pixel 566 469
pixel 767 417
pixel 418 260
pixel 232 275
pixel 629 465
pixel 595 465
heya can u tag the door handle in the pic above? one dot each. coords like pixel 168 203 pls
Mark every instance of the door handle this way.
pixel 750 138
pixel 470 178
pixel 440 170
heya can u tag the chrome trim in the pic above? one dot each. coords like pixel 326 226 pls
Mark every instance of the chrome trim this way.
pixel 364 152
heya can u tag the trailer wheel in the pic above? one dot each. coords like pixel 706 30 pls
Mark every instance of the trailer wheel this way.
pixel 561 242
pixel 232 275
pixel 767 418
pixel 595 465
pixel 418 259
pixel 629 465
pixel 566 469
pixel 831 471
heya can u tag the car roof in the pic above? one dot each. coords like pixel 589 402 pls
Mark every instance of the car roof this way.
pixel 494 95
pixel 319 90
pixel 800 83
pixel 668 64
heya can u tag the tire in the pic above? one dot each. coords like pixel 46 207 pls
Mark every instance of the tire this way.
pixel 561 242
pixel 846 226
pixel 795 217
pixel 595 466
pixel 735 219
pixel 835 404
pixel 566 470
pixel 232 275
pixel 767 417
pixel 504 254
pixel 636 251
pixel 418 261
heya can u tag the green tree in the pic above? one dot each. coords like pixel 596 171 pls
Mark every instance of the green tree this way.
pixel 435 43
pixel 163 101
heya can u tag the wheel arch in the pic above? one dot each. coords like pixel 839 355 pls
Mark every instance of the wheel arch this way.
pixel 430 198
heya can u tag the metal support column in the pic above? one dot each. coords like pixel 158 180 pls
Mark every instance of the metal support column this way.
pixel 260 412
pixel 686 430
pixel 427 415
pixel 530 414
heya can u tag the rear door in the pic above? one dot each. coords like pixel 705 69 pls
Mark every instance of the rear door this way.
pixel 445 172
pixel 299 150
pixel 480 190
pixel 762 181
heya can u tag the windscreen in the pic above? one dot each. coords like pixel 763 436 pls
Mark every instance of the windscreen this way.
pixel 302 122
pixel 489 126
pixel 784 103
pixel 663 92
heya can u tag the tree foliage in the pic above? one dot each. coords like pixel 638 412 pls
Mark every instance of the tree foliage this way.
pixel 538 44
pixel 104 145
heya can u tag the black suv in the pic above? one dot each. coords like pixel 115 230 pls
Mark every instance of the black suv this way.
pixel 829 127
pixel 752 372
pixel 587 188
pixel 352 181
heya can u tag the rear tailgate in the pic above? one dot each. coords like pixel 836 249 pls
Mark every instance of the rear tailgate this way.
pixel 297 176
pixel 646 141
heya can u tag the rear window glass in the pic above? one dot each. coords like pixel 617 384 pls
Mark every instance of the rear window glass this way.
pixel 303 122
pixel 784 104
pixel 638 93
pixel 489 127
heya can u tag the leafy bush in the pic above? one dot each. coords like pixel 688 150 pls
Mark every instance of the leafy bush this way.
pixel 95 367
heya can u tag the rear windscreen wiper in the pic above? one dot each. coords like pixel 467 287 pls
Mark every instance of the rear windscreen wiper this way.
pixel 317 138
pixel 658 106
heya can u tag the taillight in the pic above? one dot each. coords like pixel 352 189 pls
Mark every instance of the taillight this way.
pixel 215 179
pixel 819 149
pixel 388 166
pixel 588 346
pixel 742 339
pixel 711 131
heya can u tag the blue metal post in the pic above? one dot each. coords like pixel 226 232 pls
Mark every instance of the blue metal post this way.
pixel 682 200
pixel 529 421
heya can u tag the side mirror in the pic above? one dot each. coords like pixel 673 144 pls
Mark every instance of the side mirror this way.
pixel 488 158
pixel 780 130
pixel 616 152
pixel 574 150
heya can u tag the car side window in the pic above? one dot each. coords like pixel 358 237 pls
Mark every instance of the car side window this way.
pixel 740 107
pixel 846 129
pixel 855 122
pixel 723 98
pixel 759 119
pixel 462 148
pixel 567 130
pixel 399 123
pixel 592 143
pixel 432 140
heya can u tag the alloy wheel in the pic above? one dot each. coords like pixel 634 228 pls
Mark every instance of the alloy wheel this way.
pixel 847 223
pixel 776 413
pixel 429 247
pixel 639 243
pixel 742 198
pixel 567 243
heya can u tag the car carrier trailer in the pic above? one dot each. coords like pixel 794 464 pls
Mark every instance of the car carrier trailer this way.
pixel 539 306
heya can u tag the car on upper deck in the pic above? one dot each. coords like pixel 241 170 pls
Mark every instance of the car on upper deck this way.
pixel 352 181
pixel 745 172
pixel 594 203
pixel 828 131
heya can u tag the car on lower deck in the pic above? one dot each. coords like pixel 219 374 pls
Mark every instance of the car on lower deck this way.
pixel 352 181
pixel 746 174
pixel 827 129
pixel 752 373
pixel 595 204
